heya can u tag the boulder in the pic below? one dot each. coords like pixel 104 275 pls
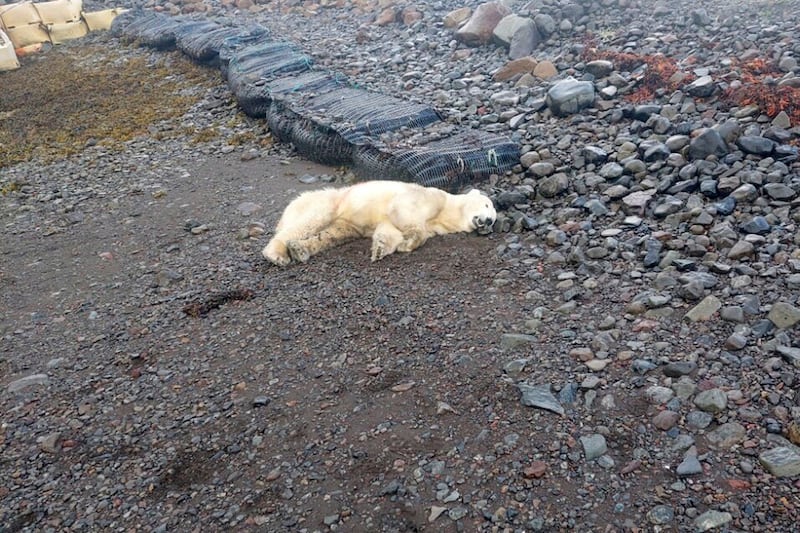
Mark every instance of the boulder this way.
pixel 569 96
pixel 480 26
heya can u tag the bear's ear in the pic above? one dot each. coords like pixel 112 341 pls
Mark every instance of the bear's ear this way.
pixel 474 192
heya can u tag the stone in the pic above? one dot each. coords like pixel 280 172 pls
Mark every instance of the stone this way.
pixel 784 315
pixel 666 420
pixel 712 520
pixel 539 396
pixel 554 185
pixel 726 436
pixel 779 191
pixel 479 28
pixel 661 515
pixel 704 310
pixel 28 381
pixel 638 200
pixel 524 41
pixel 569 96
pixel 711 401
pixel 545 24
pixel 707 142
pixel 702 87
pixel 677 369
pixel 690 466
pixel 515 341
pixel 507 27
pixel 752 144
pixel 783 461
pixel 782 121
pixel 51 443
pixel 599 68
pixel 455 18
pixel 740 250
pixel 657 395
pixel 594 446
pixel 514 68
pixel 545 70
pixel 790 354
pixel 387 16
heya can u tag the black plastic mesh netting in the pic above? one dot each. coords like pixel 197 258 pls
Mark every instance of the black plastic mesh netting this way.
pixel 327 127
pixel 252 67
pixel 450 163
pixel 204 43
pixel 280 116
pixel 251 36
pixel 156 30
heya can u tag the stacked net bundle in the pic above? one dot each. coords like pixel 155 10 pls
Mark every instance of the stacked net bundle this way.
pixel 204 43
pixel 327 127
pixel 280 116
pixel 156 30
pixel 129 23
pixel 451 163
pixel 249 36
pixel 249 70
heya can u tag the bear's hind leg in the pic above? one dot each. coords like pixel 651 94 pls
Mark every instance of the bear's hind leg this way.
pixel 336 233
pixel 385 240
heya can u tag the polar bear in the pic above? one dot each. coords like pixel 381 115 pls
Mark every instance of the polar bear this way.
pixel 399 216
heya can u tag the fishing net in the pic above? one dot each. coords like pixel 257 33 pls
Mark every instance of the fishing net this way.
pixel 249 36
pixel 280 116
pixel 450 163
pixel 250 69
pixel 204 43
pixel 326 127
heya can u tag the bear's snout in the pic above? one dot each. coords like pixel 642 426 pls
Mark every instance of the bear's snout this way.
pixel 482 222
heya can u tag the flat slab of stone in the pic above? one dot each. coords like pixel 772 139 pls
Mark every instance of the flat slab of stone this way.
pixel 539 396
pixel 782 461
pixel 704 310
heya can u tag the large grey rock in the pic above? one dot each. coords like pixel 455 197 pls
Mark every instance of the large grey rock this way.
pixel 480 26
pixel 570 96
pixel 783 461
pixel 726 436
pixel 539 396
pixel 712 520
pixel 554 185
pixel 708 142
pixel 703 87
pixel 594 446
pixel 784 315
pixel 779 191
pixel 545 24
pixel 515 341
pixel 753 144
pixel 711 401
pixel 599 68
pixel 524 41
pixel 507 27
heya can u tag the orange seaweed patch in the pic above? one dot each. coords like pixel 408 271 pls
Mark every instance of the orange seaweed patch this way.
pixel 659 72
pixel 771 99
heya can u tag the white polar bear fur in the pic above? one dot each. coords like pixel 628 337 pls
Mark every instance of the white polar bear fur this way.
pixel 398 216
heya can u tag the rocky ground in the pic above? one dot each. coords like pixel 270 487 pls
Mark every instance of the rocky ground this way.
pixel 621 354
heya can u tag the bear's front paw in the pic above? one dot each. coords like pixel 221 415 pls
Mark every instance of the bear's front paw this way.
pixel 297 251
pixel 271 255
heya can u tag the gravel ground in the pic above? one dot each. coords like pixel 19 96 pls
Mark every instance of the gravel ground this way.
pixel 621 354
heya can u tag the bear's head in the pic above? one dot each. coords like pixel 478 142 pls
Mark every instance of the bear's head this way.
pixel 478 210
